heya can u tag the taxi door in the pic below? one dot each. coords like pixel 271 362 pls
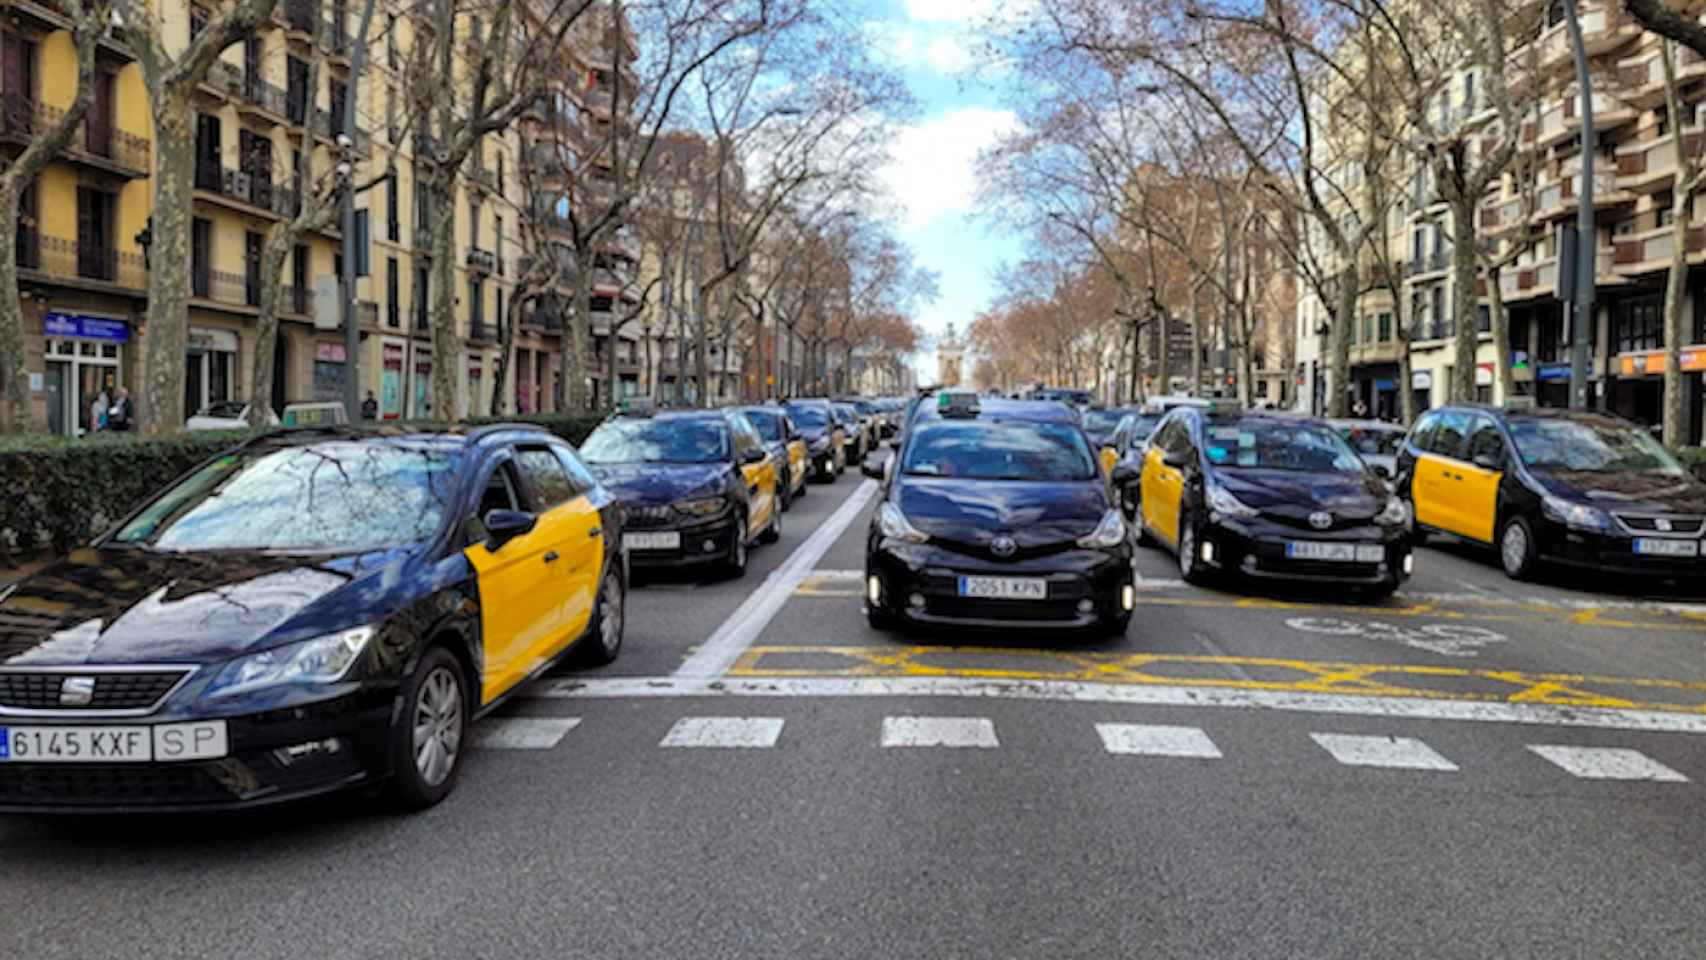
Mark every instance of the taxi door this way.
pixel 1476 481
pixel 1433 483
pixel 760 477
pixel 1162 486
pixel 797 468
pixel 520 607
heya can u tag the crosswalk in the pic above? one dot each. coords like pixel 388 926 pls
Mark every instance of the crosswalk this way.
pixel 1170 742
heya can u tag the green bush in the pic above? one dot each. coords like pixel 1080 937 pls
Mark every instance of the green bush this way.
pixel 60 491
pixel 1694 458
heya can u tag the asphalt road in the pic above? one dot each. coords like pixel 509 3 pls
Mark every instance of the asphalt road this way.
pixel 1473 768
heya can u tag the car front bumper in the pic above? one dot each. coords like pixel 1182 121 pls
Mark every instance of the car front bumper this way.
pixel 708 542
pixel 1256 548
pixel 1614 552
pixel 1085 586
pixel 339 744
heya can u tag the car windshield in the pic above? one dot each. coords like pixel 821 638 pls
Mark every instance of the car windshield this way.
pixel 1590 446
pixel 809 415
pixel 1261 443
pixel 1102 421
pixel 999 450
pixel 1372 441
pixel 342 496
pixel 657 441
pixel 768 425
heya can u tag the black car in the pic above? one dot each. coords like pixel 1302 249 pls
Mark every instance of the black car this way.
pixel 1100 423
pixel 997 515
pixel 312 611
pixel 1560 486
pixel 853 428
pixel 825 436
pixel 1270 496
pixel 786 446
pixel 697 486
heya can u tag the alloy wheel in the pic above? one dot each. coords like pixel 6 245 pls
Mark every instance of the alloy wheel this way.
pixel 610 603
pixel 1513 548
pixel 437 726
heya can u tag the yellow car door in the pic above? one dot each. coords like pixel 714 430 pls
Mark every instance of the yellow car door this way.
pixel 1110 456
pixel 520 607
pixel 1438 484
pixel 760 478
pixel 1478 479
pixel 1161 487
pixel 797 465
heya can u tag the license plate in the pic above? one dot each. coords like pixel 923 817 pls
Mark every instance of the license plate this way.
pixel 1654 547
pixel 162 743
pixel 652 541
pixel 1334 552
pixel 1004 588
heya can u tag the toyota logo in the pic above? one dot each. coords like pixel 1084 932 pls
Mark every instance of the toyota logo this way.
pixel 1003 546
pixel 1321 520
pixel 76 691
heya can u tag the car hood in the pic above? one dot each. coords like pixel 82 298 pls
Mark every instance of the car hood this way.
pixel 1631 492
pixel 1295 495
pixel 658 482
pixel 136 606
pixel 814 434
pixel 1033 514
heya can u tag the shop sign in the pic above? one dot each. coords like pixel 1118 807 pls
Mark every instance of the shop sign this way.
pixel 329 352
pixel 1421 380
pixel 1483 374
pixel 1652 362
pixel 89 328
pixel 1553 373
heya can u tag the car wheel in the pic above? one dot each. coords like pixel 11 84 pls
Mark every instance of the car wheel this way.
pixel 1517 552
pixel 1418 533
pixel 428 735
pixel 735 566
pixel 773 532
pixel 1116 626
pixel 1190 567
pixel 880 619
pixel 603 643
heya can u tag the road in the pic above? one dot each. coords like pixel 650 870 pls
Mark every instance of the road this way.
pixel 1473 768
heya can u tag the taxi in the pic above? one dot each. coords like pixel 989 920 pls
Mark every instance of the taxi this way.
pixel 854 428
pixel 787 448
pixel 1554 486
pixel 1128 445
pixel 1099 425
pixel 826 442
pixel 311 611
pixel 697 486
pixel 1269 496
pixel 994 513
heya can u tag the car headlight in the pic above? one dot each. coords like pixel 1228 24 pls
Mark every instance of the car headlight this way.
pixel 702 506
pixel 1109 532
pixel 1394 514
pixel 893 524
pixel 320 660
pixel 1223 502
pixel 1576 516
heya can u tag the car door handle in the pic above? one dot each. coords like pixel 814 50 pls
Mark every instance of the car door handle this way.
pixel 550 556
pixel 595 533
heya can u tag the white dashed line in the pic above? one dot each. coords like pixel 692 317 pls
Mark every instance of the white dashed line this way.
pixel 522 733
pixel 939 732
pixel 1156 741
pixel 1608 763
pixel 1399 753
pixel 737 732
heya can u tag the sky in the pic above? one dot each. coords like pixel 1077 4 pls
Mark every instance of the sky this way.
pixel 932 174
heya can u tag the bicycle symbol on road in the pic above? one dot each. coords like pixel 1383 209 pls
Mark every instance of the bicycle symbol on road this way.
pixel 1445 639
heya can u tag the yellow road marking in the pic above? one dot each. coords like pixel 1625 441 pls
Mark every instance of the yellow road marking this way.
pixel 1229 672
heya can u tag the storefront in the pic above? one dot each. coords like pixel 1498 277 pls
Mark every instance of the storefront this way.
pixel 330 369
pixel 210 367
pixel 391 381
pixel 1638 392
pixel 1375 386
pixel 84 358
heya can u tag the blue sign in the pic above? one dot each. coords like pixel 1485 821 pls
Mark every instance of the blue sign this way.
pixel 1552 372
pixel 89 328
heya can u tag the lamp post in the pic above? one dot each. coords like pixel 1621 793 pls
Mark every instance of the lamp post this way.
pixel 1587 241
pixel 346 203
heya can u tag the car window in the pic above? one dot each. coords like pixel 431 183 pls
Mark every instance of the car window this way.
pixel 1265 443
pixel 1447 440
pixel 768 425
pixel 810 414
pixel 1485 442
pixel 1373 441
pixel 499 494
pixel 544 476
pixel 665 441
pixel 579 475
pixel 1423 432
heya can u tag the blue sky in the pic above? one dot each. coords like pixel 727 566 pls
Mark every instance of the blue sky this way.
pixel 933 171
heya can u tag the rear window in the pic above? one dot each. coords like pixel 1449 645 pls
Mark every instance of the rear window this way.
pixel 768 425
pixel 999 450
pixel 809 414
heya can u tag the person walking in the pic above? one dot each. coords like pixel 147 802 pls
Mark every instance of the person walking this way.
pixel 122 413
pixel 370 407
pixel 98 411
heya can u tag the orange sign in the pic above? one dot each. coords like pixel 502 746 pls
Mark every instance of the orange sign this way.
pixel 1651 363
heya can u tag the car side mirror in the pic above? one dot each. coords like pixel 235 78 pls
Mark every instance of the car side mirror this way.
pixel 1123 474
pixel 874 467
pixel 753 455
pixel 1487 461
pixel 1382 471
pixel 502 526
pixel 1175 459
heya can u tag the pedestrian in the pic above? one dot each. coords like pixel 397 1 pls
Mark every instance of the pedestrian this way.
pixel 370 407
pixel 122 412
pixel 98 411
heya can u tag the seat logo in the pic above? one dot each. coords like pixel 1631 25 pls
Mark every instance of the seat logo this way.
pixel 1320 519
pixel 1003 546
pixel 77 691
pixel 1661 524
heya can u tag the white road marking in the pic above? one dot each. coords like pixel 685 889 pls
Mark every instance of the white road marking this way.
pixel 839 576
pixel 522 733
pixel 1445 639
pixel 1399 753
pixel 1465 584
pixel 724 647
pixel 939 732
pixel 744 732
pixel 1608 763
pixel 1074 691
pixel 1156 741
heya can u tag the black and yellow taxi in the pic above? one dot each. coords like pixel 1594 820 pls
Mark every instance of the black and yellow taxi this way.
pixel 311 611
pixel 1554 486
pixel 697 486
pixel 1129 443
pixel 1099 425
pixel 994 513
pixel 787 448
pixel 858 440
pixel 1270 496
pixel 826 441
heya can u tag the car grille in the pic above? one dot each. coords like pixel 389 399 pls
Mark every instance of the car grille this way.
pixel 649 516
pixel 1661 524
pixel 39 690
pixel 104 785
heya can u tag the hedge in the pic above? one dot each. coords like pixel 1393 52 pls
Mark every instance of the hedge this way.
pixel 60 491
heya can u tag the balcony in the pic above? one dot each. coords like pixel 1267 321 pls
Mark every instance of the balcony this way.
pixel 481 260
pixel 49 16
pixel 1649 166
pixel 543 319
pixel 1609 112
pixel 1426 266
pixel 94 144
pixel 1652 250
pixel 1558 198
pixel 218 288
pixel 92 266
pixel 480 331
pixel 258 99
pixel 250 193
pixel 1602 30
pixel 623 243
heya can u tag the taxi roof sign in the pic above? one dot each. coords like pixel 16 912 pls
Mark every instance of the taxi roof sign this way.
pixel 957 403
pixel 636 406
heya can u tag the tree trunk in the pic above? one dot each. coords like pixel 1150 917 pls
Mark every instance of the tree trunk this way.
pixel 1463 272
pixel 160 399
pixel 1501 337
pixel 446 342
pixel 1196 340
pixel 1163 324
pixel 574 339
pixel 1406 388
pixel 266 330
pixel 506 354
pixel 1339 339
pixel 15 372
pixel 1676 282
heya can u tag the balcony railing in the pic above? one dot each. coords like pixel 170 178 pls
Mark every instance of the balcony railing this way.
pixel 480 331
pixel 253 188
pixel 270 97
pixel 23 119
pixel 54 256
pixel 481 260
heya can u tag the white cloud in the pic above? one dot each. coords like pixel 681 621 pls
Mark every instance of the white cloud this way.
pixel 948 11
pixel 932 167
pixel 948 55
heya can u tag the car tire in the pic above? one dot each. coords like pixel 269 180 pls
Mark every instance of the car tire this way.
pixel 1418 533
pixel 1381 591
pixel 603 641
pixel 1191 569
pixel 1518 553
pixel 735 565
pixel 434 710
pixel 773 531
pixel 880 619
